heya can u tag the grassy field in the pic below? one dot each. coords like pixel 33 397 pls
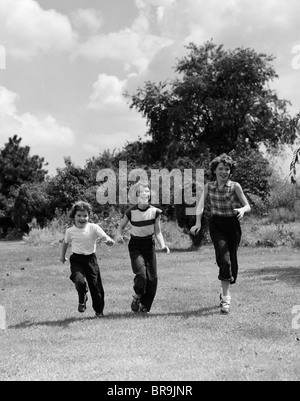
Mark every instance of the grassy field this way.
pixel 184 338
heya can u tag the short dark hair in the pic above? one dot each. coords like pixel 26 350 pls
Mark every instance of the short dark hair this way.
pixel 80 206
pixel 226 160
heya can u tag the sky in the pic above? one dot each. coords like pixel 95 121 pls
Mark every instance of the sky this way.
pixel 65 64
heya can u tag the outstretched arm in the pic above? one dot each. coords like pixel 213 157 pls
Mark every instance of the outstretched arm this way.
pixel 103 237
pixel 243 200
pixel 159 236
pixel 108 241
pixel 199 211
pixel 64 249
pixel 122 225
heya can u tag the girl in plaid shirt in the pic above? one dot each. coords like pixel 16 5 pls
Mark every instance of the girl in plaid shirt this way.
pixel 227 205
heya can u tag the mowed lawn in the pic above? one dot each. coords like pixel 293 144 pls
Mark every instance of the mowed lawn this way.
pixel 184 338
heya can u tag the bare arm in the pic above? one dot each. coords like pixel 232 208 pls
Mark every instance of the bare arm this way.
pixel 65 246
pixel 199 211
pixel 244 202
pixel 159 236
pixel 122 225
pixel 108 241
pixel 102 236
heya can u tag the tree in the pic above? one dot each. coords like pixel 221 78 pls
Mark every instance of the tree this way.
pixel 68 186
pixel 296 153
pixel 18 167
pixel 31 202
pixel 253 173
pixel 220 99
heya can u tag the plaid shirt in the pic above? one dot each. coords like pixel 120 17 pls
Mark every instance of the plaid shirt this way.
pixel 223 201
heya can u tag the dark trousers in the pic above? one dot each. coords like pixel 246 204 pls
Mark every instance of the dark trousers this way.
pixel 226 234
pixel 85 268
pixel 143 262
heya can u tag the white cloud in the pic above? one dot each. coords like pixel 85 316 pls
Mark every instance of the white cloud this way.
pixel 107 93
pixel 44 131
pixel 7 102
pixel 26 29
pixel 134 46
pixel 142 4
pixel 45 136
pixel 87 20
pixel 232 21
pixel 113 141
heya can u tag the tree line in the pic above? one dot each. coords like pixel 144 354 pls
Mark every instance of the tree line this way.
pixel 219 101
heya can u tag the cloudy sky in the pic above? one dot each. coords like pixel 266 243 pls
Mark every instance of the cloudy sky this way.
pixel 64 64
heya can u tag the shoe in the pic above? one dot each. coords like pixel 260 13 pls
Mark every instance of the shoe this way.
pixel 99 315
pixel 82 307
pixel 143 309
pixel 135 304
pixel 224 305
pixel 225 308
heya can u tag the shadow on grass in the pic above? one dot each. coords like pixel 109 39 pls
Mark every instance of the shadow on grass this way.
pixel 179 250
pixel 51 323
pixel 289 275
pixel 184 314
pixel 114 316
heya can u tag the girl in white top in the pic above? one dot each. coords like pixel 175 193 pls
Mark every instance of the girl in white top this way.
pixel 83 237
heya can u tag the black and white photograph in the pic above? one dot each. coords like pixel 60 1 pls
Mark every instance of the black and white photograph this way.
pixel 149 193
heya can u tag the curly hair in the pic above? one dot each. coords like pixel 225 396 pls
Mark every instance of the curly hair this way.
pixel 80 206
pixel 226 160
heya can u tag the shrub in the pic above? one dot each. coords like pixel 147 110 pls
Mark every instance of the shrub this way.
pixel 43 236
pixel 255 233
pixel 296 241
pixel 175 237
pixel 111 223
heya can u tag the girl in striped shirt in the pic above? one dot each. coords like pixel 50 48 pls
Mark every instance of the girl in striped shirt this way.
pixel 145 224
pixel 227 205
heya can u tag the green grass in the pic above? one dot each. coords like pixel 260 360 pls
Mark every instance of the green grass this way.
pixel 183 338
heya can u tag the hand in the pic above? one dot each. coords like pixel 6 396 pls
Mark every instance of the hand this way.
pixel 165 249
pixel 119 239
pixel 110 242
pixel 63 259
pixel 195 229
pixel 239 213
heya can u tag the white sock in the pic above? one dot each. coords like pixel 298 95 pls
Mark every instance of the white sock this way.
pixel 226 298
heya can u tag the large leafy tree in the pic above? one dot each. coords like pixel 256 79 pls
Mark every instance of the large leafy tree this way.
pixel 70 184
pixel 32 202
pixel 220 98
pixel 17 167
